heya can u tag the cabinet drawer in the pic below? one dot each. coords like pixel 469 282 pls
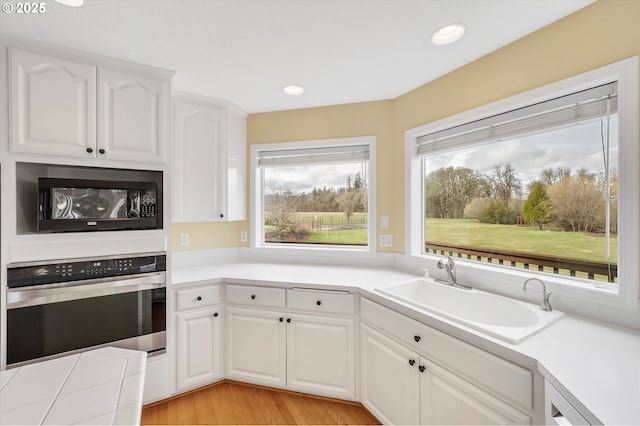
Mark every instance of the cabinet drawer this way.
pixel 256 296
pixel 199 297
pixel 327 301
pixel 508 381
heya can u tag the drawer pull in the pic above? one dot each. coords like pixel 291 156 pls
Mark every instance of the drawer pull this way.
pixel 253 297
pixel 319 302
pixel 416 338
pixel 215 315
pixel 289 320
pixel 412 362
pixel 199 298
pixel 422 368
pixel 280 319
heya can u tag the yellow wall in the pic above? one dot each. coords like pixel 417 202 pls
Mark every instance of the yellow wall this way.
pixel 604 32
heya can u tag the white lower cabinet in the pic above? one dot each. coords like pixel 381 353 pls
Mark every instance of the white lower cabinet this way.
pixel 199 337
pixel 321 355
pixel 302 352
pixel 400 386
pixel 256 346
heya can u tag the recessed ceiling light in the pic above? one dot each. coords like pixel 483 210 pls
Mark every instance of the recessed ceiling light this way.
pixel 447 34
pixel 74 3
pixel 293 90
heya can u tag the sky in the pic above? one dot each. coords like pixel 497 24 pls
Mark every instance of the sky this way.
pixel 304 178
pixel 575 147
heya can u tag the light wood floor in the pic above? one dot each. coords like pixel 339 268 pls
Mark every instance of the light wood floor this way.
pixel 235 403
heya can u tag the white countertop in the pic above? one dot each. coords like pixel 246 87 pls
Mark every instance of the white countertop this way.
pixel 595 366
pixel 102 386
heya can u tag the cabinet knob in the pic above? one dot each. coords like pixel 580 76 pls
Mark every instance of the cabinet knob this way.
pixel 412 362
pixel 280 319
pixel 89 150
pixel 199 298
pixel 101 151
pixel 422 368
pixel 215 315
pixel 253 297
pixel 288 320
pixel 319 302
pixel 221 214
pixel 416 338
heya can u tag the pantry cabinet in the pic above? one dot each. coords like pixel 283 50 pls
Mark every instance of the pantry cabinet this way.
pixel 271 342
pixel 429 387
pixel 199 337
pixel 209 160
pixel 72 106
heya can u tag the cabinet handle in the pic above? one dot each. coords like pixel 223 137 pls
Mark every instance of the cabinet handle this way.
pixel 101 151
pixel 89 150
pixel 280 319
pixel 319 302
pixel 288 320
pixel 412 362
pixel 253 297
pixel 199 298
pixel 422 368
pixel 416 338
pixel 215 315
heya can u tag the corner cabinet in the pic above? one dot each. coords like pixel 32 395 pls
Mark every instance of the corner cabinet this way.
pixel 209 160
pixel 305 344
pixel 75 107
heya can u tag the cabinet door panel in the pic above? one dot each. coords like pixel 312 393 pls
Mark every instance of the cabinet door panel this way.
pixel 256 346
pixel 390 385
pixel 196 159
pixel 321 356
pixel 448 399
pixel 53 104
pixel 199 348
pixel 131 115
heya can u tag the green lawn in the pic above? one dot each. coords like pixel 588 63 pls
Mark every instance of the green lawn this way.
pixel 520 238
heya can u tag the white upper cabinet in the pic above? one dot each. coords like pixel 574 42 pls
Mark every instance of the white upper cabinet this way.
pixel 209 160
pixel 131 116
pixel 80 108
pixel 53 104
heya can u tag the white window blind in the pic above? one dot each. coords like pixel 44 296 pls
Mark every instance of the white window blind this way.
pixel 570 109
pixel 310 156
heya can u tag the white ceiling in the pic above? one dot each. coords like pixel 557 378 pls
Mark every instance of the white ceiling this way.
pixel 341 51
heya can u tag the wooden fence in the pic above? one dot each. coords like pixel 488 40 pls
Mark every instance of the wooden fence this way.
pixel 602 271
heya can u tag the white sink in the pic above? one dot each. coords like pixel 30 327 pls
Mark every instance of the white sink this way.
pixel 507 319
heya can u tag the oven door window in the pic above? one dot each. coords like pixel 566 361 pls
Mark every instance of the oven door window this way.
pixel 54 328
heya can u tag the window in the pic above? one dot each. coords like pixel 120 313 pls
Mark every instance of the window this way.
pixel 314 194
pixel 541 183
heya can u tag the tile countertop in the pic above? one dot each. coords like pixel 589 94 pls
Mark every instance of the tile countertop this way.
pixel 595 366
pixel 102 386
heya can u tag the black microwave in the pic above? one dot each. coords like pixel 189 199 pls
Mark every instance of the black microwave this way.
pixel 72 205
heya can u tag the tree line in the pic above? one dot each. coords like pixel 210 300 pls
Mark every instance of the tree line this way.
pixel 558 198
pixel 282 203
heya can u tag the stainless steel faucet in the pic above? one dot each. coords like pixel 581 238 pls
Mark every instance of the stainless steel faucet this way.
pixel 544 305
pixel 450 267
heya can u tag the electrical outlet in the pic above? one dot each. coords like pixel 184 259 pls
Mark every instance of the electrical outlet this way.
pixel 243 236
pixel 384 221
pixel 386 240
pixel 184 239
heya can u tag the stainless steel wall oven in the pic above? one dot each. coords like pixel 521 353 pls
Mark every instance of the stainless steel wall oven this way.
pixel 65 306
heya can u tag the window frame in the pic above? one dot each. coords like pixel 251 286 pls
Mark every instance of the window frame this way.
pixel 258 244
pixel 507 279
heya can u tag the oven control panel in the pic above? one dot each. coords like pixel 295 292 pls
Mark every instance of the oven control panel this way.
pixel 41 273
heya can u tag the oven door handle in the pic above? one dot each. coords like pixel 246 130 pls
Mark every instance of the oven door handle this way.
pixel 29 296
